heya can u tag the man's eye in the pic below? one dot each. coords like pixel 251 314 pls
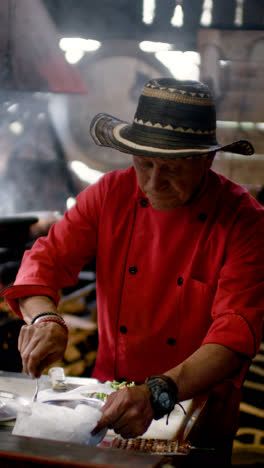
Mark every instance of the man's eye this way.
pixel 146 164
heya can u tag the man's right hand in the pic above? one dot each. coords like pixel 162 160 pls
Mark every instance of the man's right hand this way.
pixel 40 345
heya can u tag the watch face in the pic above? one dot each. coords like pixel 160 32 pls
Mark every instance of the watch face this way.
pixel 164 400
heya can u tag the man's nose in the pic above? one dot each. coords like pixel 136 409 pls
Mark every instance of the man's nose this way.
pixel 157 180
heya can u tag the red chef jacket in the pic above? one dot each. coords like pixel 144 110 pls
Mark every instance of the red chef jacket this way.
pixel 167 281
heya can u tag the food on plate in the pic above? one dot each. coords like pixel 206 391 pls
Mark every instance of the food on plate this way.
pixel 114 384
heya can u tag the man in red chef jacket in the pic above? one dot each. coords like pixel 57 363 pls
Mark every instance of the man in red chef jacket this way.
pixel 180 267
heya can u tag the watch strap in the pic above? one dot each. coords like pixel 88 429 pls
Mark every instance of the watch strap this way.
pixel 164 394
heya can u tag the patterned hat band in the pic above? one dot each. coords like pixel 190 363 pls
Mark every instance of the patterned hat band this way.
pixel 173 119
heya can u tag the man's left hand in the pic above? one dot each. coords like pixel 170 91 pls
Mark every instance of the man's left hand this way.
pixel 128 411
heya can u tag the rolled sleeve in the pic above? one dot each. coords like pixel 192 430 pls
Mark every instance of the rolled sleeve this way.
pixel 238 313
pixel 13 293
pixel 234 332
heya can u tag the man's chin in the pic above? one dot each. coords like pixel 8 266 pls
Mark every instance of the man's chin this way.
pixel 165 205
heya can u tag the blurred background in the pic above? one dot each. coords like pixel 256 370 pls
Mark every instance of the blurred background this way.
pixel 63 61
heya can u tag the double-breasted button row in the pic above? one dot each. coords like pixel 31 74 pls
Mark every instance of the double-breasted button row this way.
pixel 144 203
pixel 202 217
pixel 133 270
pixel 170 341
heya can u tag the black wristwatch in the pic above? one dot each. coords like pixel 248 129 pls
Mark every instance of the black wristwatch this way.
pixel 164 394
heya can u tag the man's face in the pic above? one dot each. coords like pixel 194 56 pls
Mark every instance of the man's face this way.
pixel 170 183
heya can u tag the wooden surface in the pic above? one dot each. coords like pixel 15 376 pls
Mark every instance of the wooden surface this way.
pixel 16 451
pixel 26 452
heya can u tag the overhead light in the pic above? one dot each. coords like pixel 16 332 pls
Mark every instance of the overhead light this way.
pixel 239 13
pixel 177 19
pixel 16 127
pixel 149 46
pixel 149 7
pixel 67 43
pixel 182 65
pixel 75 47
pixel 206 17
pixel 74 55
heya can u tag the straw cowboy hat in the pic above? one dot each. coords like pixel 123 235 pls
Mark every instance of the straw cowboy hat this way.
pixel 174 119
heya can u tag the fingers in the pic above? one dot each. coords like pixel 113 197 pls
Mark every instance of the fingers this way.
pixel 26 344
pixel 21 337
pixel 46 362
pixel 40 345
pixel 112 411
pixel 131 424
pixel 128 412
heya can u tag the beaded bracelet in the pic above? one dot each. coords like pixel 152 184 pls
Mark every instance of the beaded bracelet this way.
pixel 57 319
pixel 43 315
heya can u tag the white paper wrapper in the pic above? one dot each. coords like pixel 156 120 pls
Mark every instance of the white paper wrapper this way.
pixel 45 421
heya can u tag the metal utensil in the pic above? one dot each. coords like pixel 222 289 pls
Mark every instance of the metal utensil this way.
pixel 35 396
